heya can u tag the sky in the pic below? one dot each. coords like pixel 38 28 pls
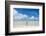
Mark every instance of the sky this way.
pixel 25 13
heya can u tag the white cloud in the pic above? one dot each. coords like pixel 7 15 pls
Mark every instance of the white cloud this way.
pixel 19 16
pixel 32 17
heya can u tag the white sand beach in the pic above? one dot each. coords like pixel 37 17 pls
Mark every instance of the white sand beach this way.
pixel 25 23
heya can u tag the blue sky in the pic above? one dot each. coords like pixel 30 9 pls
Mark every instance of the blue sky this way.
pixel 26 13
pixel 29 12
